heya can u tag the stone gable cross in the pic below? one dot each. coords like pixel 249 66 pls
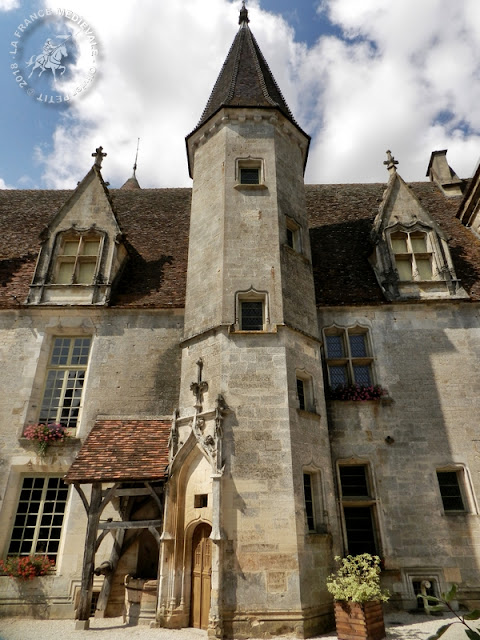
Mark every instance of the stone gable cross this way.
pixel 99 156
pixel 390 161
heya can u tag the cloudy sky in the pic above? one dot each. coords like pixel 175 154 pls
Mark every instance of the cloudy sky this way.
pixel 361 76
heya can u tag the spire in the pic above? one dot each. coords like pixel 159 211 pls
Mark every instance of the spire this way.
pixel 132 183
pixel 245 79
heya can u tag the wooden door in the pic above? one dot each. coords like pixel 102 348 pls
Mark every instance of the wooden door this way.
pixel 201 576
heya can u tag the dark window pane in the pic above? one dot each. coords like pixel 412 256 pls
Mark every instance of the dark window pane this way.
pixel 358 347
pixel 250 176
pixel 307 489
pixel 301 394
pixel 354 481
pixel 362 375
pixel 290 237
pixel 450 491
pixel 360 534
pixel 252 315
pixel 338 375
pixel 335 347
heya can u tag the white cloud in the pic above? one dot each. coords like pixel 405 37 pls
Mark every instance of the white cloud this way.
pixel 8 5
pixel 3 184
pixel 383 86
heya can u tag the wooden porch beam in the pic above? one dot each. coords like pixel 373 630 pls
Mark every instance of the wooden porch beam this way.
pixel 130 524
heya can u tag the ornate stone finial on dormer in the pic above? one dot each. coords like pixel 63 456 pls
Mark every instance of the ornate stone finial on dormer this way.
pixel 390 162
pixel 99 156
pixel 243 19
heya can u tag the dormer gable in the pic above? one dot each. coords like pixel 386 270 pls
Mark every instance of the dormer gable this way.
pixel 411 258
pixel 82 250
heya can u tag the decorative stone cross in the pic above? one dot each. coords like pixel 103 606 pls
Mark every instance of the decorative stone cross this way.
pixel 199 387
pixel 98 155
pixel 243 14
pixel 390 161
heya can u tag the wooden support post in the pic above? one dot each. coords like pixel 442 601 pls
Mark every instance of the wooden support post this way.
pixel 82 613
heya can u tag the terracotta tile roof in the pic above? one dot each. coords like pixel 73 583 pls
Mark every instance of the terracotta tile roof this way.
pixel 156 225
pixel 122 450
pixel 245 80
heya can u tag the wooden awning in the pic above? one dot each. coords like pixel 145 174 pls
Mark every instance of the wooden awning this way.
pixel 122 451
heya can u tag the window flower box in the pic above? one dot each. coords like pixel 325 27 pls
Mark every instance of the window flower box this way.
pixel 357 393
pixel 26 567
pixel 45 434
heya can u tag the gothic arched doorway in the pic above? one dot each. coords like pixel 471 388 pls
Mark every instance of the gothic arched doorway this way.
pixel 201 576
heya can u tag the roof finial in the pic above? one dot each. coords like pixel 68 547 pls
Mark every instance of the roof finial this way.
pixel 390 162
pixel 99 156
pixel 243 19
pixel 136 158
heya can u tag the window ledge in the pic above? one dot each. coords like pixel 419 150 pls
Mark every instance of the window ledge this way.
pixel 386 401
pixel 71 441
pixel 270 330
pixel 317 536
pixel 306 413
pixel 250 187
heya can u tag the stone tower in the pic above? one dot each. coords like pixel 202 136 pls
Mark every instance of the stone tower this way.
pixel 247 542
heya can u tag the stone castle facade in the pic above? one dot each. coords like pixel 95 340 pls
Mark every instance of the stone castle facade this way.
pixel 255 375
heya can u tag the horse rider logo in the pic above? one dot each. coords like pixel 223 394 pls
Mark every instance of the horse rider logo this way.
pixel 50 58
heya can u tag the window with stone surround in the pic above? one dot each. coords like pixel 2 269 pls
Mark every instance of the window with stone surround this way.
pixel 312 493
pixel 293 235
pixel 305 398
pixel 64 382
pixel 251 311
pixel 348 357
pixel 249 173
pixel 359 509
pixel 77 259
pixel 38 523
pixel 451 482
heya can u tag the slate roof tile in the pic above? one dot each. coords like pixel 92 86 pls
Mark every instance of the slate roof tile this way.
pixel 156 225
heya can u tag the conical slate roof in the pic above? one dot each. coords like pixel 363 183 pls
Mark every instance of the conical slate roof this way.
pixel 245 79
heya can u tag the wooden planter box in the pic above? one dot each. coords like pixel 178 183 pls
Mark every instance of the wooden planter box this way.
pixel 355 621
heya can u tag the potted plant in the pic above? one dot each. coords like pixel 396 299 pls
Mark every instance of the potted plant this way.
pixel 45 434
pixel 26 567
pixel 358 598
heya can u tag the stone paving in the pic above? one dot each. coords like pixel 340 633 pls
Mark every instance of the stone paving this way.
pixel 400 626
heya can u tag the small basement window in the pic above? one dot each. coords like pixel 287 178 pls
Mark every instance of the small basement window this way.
pixel 424 587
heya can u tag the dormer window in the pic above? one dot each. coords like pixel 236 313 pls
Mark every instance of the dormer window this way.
pixel 77 260
pixel 413 260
